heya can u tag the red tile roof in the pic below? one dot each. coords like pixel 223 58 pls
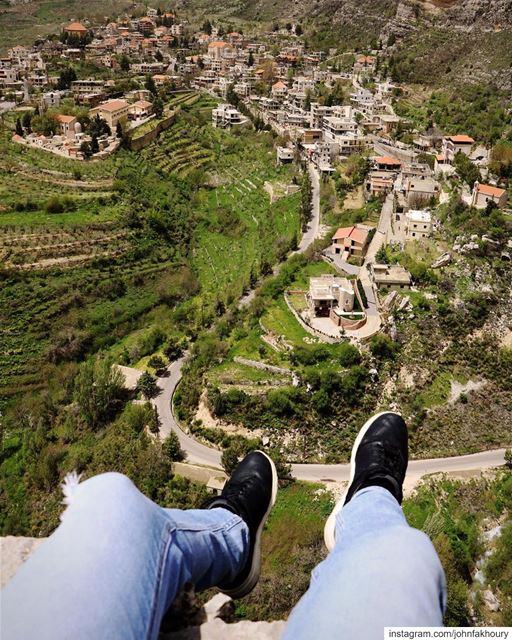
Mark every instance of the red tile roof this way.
pixel 76 26
pixel 488 190
pixel 388 160
pixel 353 233
pixel 461 139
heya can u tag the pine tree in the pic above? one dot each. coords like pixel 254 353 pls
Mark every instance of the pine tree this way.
pixel 19 128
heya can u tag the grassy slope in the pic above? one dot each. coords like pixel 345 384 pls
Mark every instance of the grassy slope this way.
pixel 23 22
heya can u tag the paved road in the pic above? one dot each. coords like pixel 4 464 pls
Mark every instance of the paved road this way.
pixel 198 453
pixel 311 234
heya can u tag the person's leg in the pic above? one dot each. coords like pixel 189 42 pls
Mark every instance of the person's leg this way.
pixel 115 564
pixel 380 573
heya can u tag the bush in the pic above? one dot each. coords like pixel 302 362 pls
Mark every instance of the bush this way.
pixel 171 448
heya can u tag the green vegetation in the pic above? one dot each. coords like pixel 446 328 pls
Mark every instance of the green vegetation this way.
pixel 454 514
pixel 474 109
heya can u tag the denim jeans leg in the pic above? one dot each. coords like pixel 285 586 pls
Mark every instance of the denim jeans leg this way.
pixel 115 564
pixel 380 573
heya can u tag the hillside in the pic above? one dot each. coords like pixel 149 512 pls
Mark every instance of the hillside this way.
pixel 434 42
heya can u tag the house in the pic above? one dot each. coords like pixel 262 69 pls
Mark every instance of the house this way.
pixel 140 109
pixel 387 163
pixel 218 50
pixel 350 241
pixel 485 193
pixel 441 165
pixel 76 29
pixel 379 183
pixel 456 144
pixel 390 276
pixel 328 292
pixel 279 89
pixel 67 125
pixel 284 155
pixel 227 116
pixel 112 111
pixel 418 224
pixel 420 189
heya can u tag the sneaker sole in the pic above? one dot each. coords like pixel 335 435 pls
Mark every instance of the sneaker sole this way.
pixel 330 525
pixel 254 575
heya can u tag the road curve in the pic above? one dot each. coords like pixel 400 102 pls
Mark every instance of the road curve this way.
pixel 198 453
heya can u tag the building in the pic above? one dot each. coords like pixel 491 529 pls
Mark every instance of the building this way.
pixel 457 144
pixel 328 292
pixel 140 109
pixel 279 89
pixel 483 194
pixel 219 50
pixel 76 29
pixel 441 165
pixel 390 276
pixel 379 183
pixel 418 224
pixel 420 189
pixel 350 241
pixel 284 155
pixel 112 111
pixel 227 116
pixel 66 124
pixel 387 163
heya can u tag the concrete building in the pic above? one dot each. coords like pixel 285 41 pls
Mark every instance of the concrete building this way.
pixel 112 111
pixel 418 224
pixel 390 276
pixel 328 292
pixel 227 116
pixel 455 144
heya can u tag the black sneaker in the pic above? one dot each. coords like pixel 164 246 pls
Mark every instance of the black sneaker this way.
pixel 379 458
pixel 251 494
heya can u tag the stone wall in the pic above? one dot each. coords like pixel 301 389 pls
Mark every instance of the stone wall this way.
pixel 142 141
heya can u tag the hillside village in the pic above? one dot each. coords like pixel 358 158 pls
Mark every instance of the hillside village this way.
pixel 244 241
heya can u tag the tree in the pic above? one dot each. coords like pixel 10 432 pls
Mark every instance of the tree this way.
pixel 26 120
pixel 66 77
pixel 173 350
pixel 467 171
pixel 124 63
pixel 147 385
pixel 383 347
pixel 508 458
pixel 157 362
pixel 85 148
pixel 98 391
pixel 306 207
pixel 95 147
pixel 19 128
pixel 158 107
pixel 298 30
pixel 158 56
pixel 250 59
pixel 207 27
pixel 119 130
pixel 149 85
pixel 171 448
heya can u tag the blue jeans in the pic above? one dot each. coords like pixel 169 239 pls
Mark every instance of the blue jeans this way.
pixel 117 561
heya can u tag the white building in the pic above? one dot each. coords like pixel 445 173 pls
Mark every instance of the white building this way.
pixel 418 224
pixel 226 115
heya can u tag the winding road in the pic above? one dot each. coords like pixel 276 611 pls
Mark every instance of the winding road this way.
pixel 198 453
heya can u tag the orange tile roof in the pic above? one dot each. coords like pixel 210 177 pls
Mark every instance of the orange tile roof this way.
pixel 461 139
pixel 219 45
pixel 388 160
pixel 112 105
pixel 76 26
pixel 440 157
pixel 359 235
pixel 279 85
pixel 488 190
pixel 64 119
